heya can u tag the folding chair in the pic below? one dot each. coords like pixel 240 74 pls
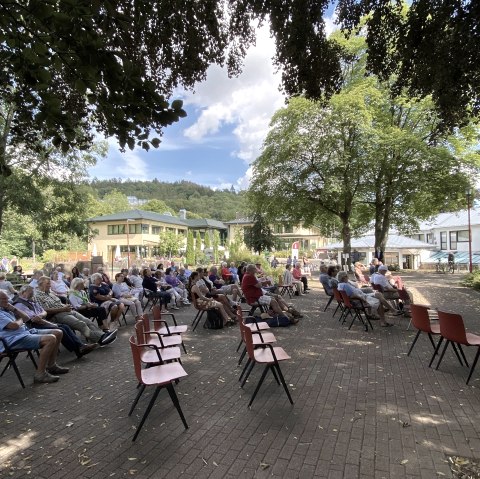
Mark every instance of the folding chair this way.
pixel 268 355
pixel 453 330
pixel 330 299
pixel 152 298
pixel 357 310
pixel 161 376
pixel 200 311
pixel 340 306
pixel 12 356
pixel 285 288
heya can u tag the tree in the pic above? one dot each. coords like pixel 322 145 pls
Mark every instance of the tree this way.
pixel 207 239
pixel 313 163
pixel 259 237
pixel 190 253
pixel 70 66
pixel 170 243
pixel 157 206
pixel 215 244
pixel 198 246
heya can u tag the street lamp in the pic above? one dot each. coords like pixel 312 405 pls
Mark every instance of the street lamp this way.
pixel 468 192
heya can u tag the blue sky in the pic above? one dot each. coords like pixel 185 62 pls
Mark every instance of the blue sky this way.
pixel 221 136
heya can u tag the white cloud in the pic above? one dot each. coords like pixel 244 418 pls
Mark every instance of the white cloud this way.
pixel 247 102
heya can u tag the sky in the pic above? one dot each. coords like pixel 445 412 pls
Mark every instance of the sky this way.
pixel 227 121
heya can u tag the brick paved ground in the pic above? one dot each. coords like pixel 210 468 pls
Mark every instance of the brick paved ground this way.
pixel 362 407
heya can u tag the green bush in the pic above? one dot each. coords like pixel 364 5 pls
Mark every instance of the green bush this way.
pixel 472 280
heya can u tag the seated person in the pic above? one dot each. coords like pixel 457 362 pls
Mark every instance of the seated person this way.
pixel 253 290
pixel 234 272
pixel 17 336
pixel 7 286
pixel 135 280
pixel 375 301
pixel 105 277
pixel 220 286
pixel 266 281
pixel 181 276
pixel 102 295
pixel 36 319
pixel 80 302
pixel 299 276
pixel 59 287
pixel 325 279
pixel 151 285
pixel 160 277
pixel 74 274
pixel 126 280
pixel 177 285
pixel 359 276
pixel 332 272
pixel 57 312
pixel 201 300
pixel 37 274
pixel 125 294
pixel 289 280
pixel 226 274
pixel 207 286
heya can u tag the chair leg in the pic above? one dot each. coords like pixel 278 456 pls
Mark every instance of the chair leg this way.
pixel 456 354
pixel 197 319
pixel 328 304
pixel 474 364
pixel 436 351
pixel 17 371
pixel 184 348
pixel 282 379
pixel 135 401
pixel 431 340
pixel 176 403
pixel 414 341
pixel 265 371
pixel 242 355
pixel 274 374
pixel 147 412
pixel 462 353
pixel 247 374
pixel 244 369
pixel 239 345
pixel 443 353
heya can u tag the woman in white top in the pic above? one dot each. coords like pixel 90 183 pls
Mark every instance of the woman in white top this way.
pixel 123 292
pixel 6 286
pixel 59 287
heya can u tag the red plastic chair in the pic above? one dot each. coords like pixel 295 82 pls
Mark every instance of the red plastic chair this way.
pixel 160 340
pixel 453 330
pixel 150 355
pixel 340 306
pixel 161 376
pixel 271 357
pixel 161 326
pixel 421 321
pixel 259 339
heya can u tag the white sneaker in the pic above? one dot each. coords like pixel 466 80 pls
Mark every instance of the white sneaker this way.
pixel 174 307
pixel 186 301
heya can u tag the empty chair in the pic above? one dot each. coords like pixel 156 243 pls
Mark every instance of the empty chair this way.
pixel 259 338
pixel 453 330
pixel 271 357
pixel 160 324
pixel 161 340
pixel 150 355
pixel 161 376
pixel 421 321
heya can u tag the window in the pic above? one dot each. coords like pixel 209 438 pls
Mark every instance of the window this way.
pixel 458 237
pixel 145 229
pixel 181 232
pixel 288 229
pixel 430 238
pixel 134 229
pixel 171 229
pixel 443 240
pixel 156 230
pixel 116 229
pixel 418 237
pixel 278 229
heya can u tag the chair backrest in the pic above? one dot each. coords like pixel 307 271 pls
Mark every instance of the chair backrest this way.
pixel 146 323
pixel 239 314
pixel 346 299
pixel 137 362
pixel 157 312
pixel 452 327
pixel 140 332
pixel 420 318
pixel 403 295
pixel 337 295
pixel 247 336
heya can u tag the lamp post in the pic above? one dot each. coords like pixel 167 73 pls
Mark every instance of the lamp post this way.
pixel 468 192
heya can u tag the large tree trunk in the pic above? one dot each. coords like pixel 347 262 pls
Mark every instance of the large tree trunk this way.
pixel 347 240
pixel 5 170
pixel 382 225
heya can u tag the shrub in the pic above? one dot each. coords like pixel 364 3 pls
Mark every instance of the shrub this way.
pixel 472 280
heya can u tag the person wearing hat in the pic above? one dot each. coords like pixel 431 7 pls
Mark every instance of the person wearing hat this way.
pixel 389 290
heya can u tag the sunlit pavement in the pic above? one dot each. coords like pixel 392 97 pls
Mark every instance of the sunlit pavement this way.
pixel 362 407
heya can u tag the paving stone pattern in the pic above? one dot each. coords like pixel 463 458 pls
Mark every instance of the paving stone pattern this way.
pixel 363 409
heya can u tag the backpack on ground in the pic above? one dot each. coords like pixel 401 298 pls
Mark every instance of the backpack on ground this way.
pixel 214 319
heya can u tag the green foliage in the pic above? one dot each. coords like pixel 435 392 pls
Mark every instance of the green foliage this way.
pixel 259 237
pixel 170 243
pixel 198 247
pixel 157 206
pixel 215 244
pixel 472 280
pixel 190 253
pixel 207 240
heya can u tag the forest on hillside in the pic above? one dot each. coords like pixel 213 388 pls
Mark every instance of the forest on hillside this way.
pixel 199 201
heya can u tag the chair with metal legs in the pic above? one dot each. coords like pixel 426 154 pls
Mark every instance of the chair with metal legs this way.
pixel 161 376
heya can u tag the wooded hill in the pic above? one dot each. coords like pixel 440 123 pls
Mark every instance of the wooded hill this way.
pixel 199 201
